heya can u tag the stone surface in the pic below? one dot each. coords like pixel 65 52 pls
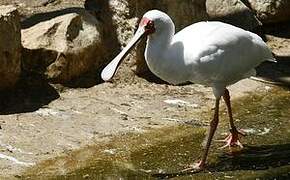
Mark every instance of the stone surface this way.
pixel 10 46
pixel 63 47
pixel 85 116
pixel 271 11
pixel 29 8
pixel 233 12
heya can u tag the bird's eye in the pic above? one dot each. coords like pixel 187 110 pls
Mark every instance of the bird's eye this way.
pixel 149 25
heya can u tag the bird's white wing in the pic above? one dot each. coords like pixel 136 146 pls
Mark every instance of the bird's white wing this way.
pixel 221 52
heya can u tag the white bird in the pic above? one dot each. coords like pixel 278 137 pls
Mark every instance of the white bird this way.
pixel 214 54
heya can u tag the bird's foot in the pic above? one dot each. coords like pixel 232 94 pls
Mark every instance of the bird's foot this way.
pixel 196 167
pixel 233 139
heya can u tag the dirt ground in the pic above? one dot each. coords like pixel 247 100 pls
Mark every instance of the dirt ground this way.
pixel 44 121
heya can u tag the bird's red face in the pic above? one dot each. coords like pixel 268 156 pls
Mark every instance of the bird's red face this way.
pixel 148 25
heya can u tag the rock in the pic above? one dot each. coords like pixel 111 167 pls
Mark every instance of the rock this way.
pixel 38 3
pixel 93 5
pixel 10 46
pixel 192 11
pixel 280 46
pixel 233 12
pixel 29 8
pixel 271 11
pixel 64 47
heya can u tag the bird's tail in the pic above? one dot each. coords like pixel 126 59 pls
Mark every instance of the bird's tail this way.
pixel 272 60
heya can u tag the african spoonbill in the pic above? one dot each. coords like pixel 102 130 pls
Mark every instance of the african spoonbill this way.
pixel 214 54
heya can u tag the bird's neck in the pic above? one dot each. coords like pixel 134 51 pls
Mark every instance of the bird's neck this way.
pixel 158 44
pixel 160 41
pixel 161 60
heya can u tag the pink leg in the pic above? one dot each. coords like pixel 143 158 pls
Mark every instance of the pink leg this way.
pixel 233 138
pixel 213 126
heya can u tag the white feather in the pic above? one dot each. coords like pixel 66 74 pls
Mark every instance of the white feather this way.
pixel 210 53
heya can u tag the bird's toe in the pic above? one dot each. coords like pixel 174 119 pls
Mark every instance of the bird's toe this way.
pixel 233 139
pixel 195 167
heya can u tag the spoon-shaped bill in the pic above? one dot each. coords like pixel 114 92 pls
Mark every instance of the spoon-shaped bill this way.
pixel 109 71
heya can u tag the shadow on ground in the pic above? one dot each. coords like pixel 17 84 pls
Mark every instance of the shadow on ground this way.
pixel 279 29
pixel 278 73
pixel 256 158
pixel 29 95
pixel 253 158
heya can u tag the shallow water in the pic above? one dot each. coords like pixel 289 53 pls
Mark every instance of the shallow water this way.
pixel 163 153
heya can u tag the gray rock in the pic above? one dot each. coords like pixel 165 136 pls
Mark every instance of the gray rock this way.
pixel 10 46
pixel 271 11
pixel 64 47
pixel 233 12
pixel 37 3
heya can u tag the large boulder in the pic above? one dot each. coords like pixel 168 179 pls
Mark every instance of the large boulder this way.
pixel 271 11
pixel 278 40
pixel 28 8
pixel 233 12
pixel 127 13
pixel 64 47
pixel 10 46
